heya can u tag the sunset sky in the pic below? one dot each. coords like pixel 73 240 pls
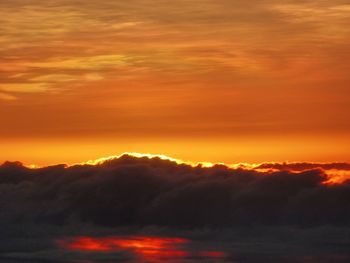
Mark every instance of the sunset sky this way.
pixel 211 80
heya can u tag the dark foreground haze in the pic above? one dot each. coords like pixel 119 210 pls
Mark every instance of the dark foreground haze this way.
pixel 151 210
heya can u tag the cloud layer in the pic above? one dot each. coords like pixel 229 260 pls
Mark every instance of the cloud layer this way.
pixel 132 191
pixel 159 197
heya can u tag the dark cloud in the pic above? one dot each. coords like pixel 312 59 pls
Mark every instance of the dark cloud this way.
pixel 305 166
pixel 236 211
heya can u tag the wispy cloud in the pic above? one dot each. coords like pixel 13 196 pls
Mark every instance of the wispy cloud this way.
pixel 4 96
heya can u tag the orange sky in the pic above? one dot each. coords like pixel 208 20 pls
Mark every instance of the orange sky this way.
pixel 214 80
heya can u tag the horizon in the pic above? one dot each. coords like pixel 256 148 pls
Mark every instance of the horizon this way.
pixel 335 172
pixel 203 163
pixel 205 80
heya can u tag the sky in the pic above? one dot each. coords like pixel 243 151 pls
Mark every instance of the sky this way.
pixel 221 81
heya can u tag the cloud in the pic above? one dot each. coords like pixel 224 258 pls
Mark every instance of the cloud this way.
pixel 337 172
pixel 109 33
pixel 24 87
pixel 305 166
pixel 4 96
pixel 142 191
pixel 218 211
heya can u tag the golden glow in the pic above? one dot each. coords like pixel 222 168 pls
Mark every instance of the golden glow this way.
pixel 226 150
pixel 335 176
pixel 150 156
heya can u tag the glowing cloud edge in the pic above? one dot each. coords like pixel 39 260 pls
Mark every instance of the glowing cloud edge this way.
pixel 167 158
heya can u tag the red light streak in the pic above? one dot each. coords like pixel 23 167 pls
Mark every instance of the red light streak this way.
pixel 146 248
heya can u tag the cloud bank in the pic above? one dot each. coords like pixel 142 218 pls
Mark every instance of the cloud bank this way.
pixel 142 191
pixel 216 206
